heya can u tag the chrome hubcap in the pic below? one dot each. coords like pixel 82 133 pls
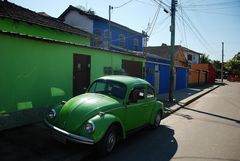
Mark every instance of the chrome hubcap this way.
pixel 157 120
pixel 111 141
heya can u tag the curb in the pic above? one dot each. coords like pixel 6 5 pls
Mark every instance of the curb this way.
pixel 188 101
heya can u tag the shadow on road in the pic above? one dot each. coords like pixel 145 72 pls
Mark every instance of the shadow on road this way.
pixel 158 144
pixel 35 143
pixel 211 114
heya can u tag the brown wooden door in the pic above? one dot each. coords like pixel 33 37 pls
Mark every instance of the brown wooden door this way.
pixel 81 73
pixel 133 68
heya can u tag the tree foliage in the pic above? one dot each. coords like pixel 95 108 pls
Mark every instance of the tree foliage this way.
pixel 217 64
pixel 233 65
pixel 204 59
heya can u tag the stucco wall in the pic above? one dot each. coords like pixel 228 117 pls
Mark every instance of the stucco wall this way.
pixel 82 22
pixel 115 32
pixel 195 57
pixel 37 73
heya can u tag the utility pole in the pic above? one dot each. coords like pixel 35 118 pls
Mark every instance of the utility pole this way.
pixel 172 51
pixel 109 25
pixel 222 61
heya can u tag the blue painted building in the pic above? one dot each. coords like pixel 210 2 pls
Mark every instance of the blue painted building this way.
pixel 121 38
pixel 158 74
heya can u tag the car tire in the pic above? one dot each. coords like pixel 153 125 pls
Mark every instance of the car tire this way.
pixel 157 120
pixel 107 144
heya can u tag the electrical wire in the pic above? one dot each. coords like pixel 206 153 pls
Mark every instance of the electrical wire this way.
pixel 144 2
pixel 123 4
pixel 195 31
pixel 162 4
pixel 154 20
pixel 184 28
pixel 164 25
pixel 211 6
pixel 215 13
pixel 152 25
pixel 159 2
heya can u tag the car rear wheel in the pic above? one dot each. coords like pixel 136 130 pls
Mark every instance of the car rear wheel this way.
pixel 107 144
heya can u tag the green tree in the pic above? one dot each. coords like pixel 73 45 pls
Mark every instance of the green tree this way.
pixel 217 64
pixel 205 59
pixel 233 65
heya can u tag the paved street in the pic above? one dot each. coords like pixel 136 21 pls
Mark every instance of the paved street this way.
pixel 207 129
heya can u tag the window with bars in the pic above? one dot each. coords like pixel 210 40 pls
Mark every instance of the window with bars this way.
pixel 121 40
pixel 106 33
pixel 135 44
pixel 97 38
pixel 189 57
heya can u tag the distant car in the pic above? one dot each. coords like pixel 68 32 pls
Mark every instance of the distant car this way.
pixel 112 107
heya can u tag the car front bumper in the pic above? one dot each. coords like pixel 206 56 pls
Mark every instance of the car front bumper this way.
pixel 69 136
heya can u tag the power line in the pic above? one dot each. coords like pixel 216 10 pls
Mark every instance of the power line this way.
pixel 144 2
pixel 123 4
pixel 162 4
pixel 211 6
pixel 194 30
pixel 164 25
pixel 212 12
pixel 184 36
pixel 154 20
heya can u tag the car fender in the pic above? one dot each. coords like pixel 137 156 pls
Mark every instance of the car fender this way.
pixel 102 123
pixel 157 108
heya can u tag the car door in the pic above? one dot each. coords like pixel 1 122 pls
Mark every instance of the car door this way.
pixel 150 103
pixel 135 108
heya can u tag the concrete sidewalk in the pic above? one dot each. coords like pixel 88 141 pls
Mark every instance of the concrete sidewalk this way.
pixel 185 96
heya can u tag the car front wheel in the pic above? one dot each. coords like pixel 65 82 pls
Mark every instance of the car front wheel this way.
pixel 157 120
pixel 107 144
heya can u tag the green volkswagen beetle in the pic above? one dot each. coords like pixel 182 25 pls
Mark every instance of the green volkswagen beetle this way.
pixel 112 107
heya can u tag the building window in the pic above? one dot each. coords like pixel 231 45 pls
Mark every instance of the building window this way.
pixel 122 40
pixel 135 44
pixel 97 38
pixel 189 57
pixel 106 39
pixel 194 58
pixel 106 34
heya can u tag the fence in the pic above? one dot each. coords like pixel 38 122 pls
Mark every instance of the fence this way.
pixel 197 77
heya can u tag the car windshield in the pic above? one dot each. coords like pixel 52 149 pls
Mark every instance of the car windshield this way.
pixel 110 88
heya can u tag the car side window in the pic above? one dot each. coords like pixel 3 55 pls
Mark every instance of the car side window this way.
pixel 150 93
pixel 136 95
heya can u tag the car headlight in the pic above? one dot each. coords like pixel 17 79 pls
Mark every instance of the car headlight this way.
pixel 89 127
pixel 51 114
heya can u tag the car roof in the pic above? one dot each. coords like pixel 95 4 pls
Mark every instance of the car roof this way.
pixel 127 80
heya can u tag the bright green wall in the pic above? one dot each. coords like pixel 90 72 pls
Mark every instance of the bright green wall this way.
pixel 35 74
pixel 43 32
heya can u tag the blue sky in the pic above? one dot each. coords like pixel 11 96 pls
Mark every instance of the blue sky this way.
pixel 201 25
